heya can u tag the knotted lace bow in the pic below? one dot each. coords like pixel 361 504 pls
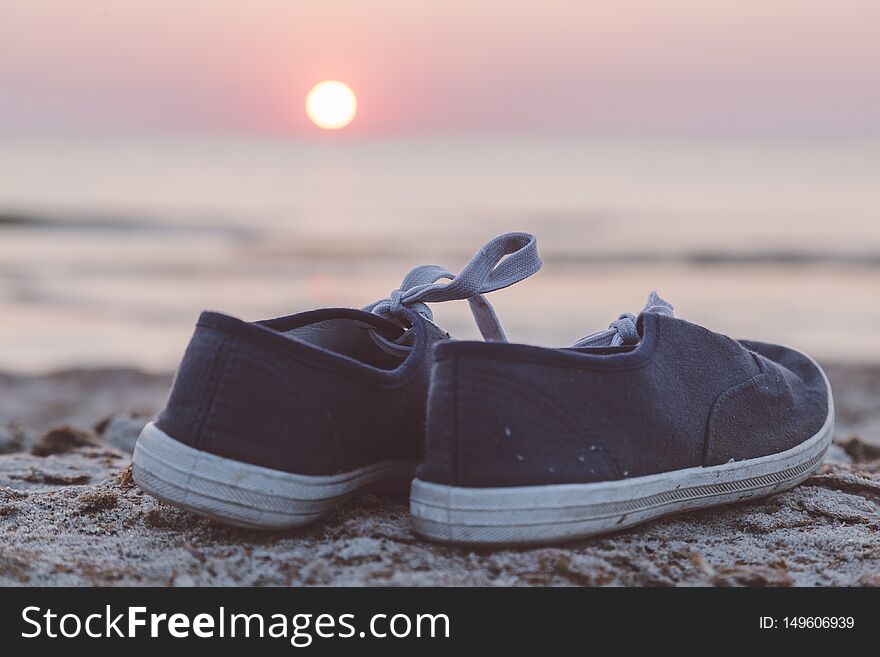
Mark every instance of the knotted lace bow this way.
pixel 622 331
pixel 503 261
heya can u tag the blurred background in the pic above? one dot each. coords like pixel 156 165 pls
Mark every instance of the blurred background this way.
pixel 156 159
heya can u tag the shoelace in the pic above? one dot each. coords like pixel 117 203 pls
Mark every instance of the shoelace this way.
pixel 501 262
pixel 623 331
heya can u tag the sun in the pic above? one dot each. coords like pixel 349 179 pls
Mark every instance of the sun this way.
pixel 331 105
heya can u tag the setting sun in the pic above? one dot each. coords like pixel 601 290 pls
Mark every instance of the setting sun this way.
pixel 331 105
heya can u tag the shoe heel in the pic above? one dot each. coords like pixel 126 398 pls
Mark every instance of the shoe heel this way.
pixel 243 494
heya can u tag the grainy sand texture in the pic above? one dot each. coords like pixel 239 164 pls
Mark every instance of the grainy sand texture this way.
pixel 71 515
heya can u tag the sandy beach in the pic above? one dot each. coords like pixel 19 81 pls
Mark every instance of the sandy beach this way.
pixel 71 515
pixel 776 240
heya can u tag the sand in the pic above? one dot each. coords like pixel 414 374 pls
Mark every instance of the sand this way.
pixel 70 514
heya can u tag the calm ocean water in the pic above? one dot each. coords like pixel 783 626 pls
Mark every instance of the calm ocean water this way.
pixel 110 248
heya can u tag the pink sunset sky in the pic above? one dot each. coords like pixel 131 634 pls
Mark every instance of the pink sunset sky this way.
pixel 458 66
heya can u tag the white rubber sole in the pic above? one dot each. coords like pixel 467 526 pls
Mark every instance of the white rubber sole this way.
pixel 243 494
pixel 539 515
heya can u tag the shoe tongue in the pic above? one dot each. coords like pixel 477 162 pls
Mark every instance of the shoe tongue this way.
pixel 623 331
pixel 657 305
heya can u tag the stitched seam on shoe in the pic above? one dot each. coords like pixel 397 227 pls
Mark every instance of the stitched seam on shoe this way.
pixel 206 404
pixel 758 362
pixel 572 361
pixel 717 405
pixel 456 428
pixel 537 360
pixel 304 360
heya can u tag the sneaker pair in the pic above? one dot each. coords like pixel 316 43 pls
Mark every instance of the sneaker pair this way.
pixel 273 424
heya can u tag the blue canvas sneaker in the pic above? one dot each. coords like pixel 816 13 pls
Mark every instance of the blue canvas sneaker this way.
pixel 653 416
pixel 273 424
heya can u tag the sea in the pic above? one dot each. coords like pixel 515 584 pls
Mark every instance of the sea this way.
pixel 111 246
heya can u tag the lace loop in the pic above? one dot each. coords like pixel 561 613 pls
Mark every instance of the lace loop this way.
pixel 501 262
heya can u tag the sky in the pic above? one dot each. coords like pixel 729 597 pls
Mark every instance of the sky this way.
pixel 666 67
